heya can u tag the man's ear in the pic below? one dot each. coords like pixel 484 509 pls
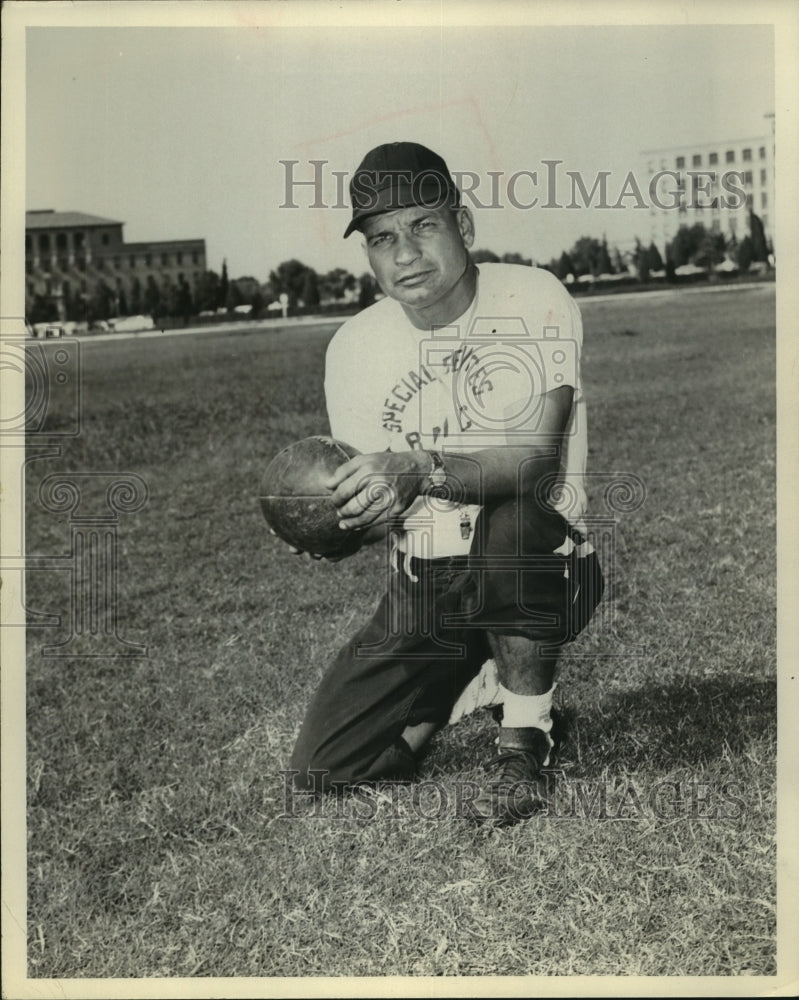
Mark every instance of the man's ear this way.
pixel 466 226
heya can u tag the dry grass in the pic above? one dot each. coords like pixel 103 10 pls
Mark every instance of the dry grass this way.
pixel 156 843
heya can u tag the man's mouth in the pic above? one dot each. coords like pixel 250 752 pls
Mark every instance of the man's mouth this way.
pixel 411 280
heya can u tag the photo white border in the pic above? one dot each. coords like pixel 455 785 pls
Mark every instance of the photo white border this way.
pixel 784 15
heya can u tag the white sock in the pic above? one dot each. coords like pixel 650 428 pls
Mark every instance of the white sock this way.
pixel 523 711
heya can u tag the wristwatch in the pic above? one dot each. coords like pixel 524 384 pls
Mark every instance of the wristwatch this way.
pixel 437 477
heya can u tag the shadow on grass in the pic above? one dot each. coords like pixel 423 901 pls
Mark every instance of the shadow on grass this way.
pixel 688 722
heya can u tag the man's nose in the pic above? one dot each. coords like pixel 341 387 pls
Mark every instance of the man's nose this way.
pixel 406 249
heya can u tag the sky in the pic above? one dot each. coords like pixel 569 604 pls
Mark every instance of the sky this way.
pixel 180 132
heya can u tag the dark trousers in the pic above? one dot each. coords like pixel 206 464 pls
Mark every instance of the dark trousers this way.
pixel 428 638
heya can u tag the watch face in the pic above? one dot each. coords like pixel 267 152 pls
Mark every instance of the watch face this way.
pixel 438 475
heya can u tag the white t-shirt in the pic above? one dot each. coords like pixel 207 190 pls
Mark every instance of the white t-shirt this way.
pixel 477 383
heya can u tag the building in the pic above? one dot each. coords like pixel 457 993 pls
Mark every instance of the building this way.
pixel 76 264
pixel 716 183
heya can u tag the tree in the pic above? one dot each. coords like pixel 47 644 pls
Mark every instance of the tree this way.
pixel 234 296
pixel 135 297
pixel 168 297
pixel 257 304
pixel 584 255
pixel 208 291
pixel 484 257
pixel 310 290
pixel 102 302
pixel 516 258
pixel 152 298
pixel 618 263
pixel 565 267
pixel 289 278
pixel 42 310
pixel 184 303
pixel 745 254
pixel 759 247
pixel 336 283
pixel 603 264
pixel 653 258
pixel 687 242
pixel 710 251
pixel 368 288
pixel 641 261
pixel 221 299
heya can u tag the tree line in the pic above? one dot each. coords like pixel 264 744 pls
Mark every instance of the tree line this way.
pixel 695 244
pixel 306 290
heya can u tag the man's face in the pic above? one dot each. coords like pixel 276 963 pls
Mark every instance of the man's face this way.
pixel 419 254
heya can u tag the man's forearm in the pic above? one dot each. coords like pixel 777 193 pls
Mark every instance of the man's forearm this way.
pixel 495 474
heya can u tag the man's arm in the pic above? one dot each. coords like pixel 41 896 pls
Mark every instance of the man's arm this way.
pixel 371 489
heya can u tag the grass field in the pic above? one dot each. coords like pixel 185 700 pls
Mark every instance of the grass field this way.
pixel 157 837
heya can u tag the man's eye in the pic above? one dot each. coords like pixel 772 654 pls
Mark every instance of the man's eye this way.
pixel 377 241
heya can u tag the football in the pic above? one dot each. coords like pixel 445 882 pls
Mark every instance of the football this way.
pixel 297 507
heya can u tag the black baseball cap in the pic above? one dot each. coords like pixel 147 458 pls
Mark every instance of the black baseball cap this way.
pixel 399 175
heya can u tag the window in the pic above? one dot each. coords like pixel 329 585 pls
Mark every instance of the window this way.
pixel 747 176
pixel 105 239
pixel 194 259
pixel 696 161
pixel 77 241
pixel 61 241
pixel 100 264
pixel 148 260
pixel 44 242
pixel 729 156
pixel 28 244
pixel 713 159
pixel 749 201
pixel 747 155
pixel 762 152
pixel 179 257
pixel 680 162
pixel 164 258
pixel 133 260
pixel 763 176
pixel 763 199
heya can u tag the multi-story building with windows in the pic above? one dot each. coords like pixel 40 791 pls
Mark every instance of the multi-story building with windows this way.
pixel 70 257
pixel 716 183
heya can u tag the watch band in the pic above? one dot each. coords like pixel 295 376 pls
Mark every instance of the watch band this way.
pixel 437 477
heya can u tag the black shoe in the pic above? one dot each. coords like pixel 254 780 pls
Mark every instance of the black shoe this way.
pixel 516 788
pixel 396 763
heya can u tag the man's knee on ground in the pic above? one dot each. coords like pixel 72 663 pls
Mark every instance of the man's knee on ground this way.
pixel 317 775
